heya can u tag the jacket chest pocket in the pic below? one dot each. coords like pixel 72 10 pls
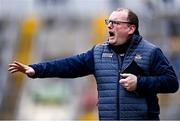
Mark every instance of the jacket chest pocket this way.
pixel 137 67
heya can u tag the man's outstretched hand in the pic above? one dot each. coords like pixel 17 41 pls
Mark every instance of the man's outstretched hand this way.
pixel 19 67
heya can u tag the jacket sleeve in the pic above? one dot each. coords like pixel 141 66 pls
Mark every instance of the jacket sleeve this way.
pixel 71 67
pixel 162 77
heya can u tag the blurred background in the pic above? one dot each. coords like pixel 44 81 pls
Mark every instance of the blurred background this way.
pixel 33 31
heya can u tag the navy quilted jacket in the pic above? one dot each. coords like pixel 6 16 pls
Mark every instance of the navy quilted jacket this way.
pixel 146 61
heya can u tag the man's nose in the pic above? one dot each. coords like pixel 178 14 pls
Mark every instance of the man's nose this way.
pixel 110 25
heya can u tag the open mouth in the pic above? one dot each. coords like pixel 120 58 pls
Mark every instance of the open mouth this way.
pixel 111 34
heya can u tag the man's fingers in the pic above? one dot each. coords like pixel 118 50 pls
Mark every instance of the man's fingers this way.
pixel 13 70
pixel 16 66
pixel 16 70
pixel 19 64
pixel 126 85
pixel 13 65
pixel 122 81
pixel 125 74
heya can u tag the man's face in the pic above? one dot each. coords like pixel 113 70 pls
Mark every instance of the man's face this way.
pixel 118 32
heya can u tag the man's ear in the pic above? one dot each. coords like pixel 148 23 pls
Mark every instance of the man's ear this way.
pixel 132 29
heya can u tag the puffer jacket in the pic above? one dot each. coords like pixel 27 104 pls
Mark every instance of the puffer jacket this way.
pixel 143 59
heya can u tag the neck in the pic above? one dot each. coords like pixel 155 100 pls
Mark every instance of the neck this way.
pixel 121 48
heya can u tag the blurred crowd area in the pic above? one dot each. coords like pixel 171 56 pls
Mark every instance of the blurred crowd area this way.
pixel 33 31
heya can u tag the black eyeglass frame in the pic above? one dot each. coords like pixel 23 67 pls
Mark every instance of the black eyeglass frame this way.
pixel 107 21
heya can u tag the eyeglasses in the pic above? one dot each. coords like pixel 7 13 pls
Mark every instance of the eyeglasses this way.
pixel 107 21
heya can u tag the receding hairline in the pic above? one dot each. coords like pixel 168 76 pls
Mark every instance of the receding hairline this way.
pixel 130 13
pixel 122 9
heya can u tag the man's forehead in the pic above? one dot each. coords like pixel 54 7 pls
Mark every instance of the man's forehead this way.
pixel 121 15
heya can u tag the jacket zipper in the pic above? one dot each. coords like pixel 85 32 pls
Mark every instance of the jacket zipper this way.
pixel 118 86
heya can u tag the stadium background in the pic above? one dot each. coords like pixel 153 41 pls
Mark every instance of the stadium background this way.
pixel 33 31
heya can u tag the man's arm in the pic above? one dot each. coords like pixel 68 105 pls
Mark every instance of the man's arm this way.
pixel 162 79
pixel 71 67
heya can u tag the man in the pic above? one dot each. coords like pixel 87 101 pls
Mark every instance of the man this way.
pixel 129 70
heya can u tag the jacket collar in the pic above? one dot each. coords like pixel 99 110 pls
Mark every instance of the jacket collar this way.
pixel 132 42
pixel 131 53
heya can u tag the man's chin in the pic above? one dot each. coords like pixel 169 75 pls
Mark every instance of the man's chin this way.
pixel 111 42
